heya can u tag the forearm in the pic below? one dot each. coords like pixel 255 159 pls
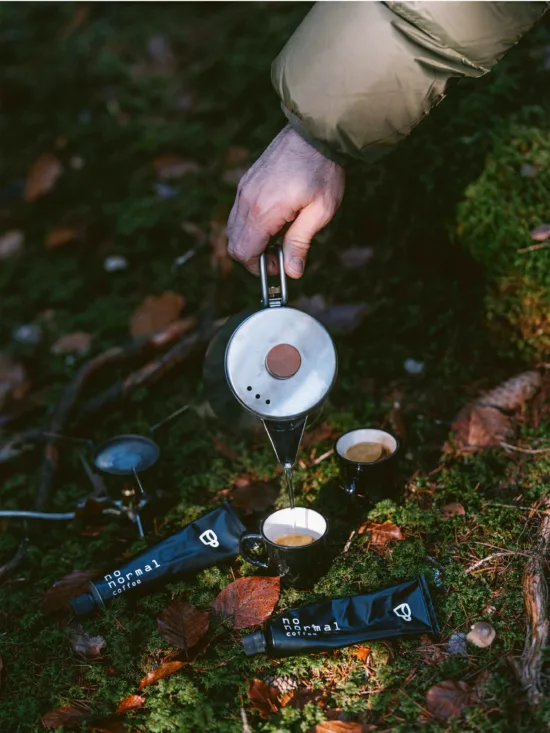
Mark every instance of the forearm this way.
pixel 357 77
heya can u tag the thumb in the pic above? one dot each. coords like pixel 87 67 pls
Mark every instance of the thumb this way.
pixel 296 243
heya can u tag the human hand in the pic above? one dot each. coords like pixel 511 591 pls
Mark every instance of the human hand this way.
pixel 290 182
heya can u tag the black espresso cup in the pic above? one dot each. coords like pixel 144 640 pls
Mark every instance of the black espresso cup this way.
pixel 299 566
pixel 368 480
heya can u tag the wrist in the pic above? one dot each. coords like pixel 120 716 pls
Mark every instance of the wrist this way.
pixel 298 127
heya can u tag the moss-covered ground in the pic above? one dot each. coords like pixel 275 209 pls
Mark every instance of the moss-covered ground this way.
pixel 106 93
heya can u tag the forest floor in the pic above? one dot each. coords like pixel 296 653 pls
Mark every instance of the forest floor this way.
pixel 125 128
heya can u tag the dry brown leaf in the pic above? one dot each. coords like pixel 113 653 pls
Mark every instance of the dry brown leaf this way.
pixel 82 643
pixel 540 233
pixel 381 534
pixel 170 167
pixel 69 586
pixel 156 312
pixel 72 343
pixel 42 176
pixel 225 450
pixel 183 625
pixel 449 698
pixel 251 496
pixel 338 726
pixel 248 601
pixel 431 653
pixel 132 702
pixel 163 670
pixel 220 259
pixel 60 236
pixel 11 244
pixel 452 510
pixel 263 697
pixel 319 434
pixel 483 423
pixel 67 716
pixel 13 380
pixel 361 653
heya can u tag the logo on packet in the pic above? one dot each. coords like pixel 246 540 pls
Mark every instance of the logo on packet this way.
pixel 209 537
pixel 403 611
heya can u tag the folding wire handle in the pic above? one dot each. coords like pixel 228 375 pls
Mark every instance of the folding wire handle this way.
pixel 277 296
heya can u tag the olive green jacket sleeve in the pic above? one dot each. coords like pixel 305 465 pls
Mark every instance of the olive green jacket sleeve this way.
pixel 357 77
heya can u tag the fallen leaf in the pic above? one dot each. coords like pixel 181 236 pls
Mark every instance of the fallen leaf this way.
pixel 263 697
pixel 42 176
pixel 219 258
pixel 67 716
pixel 235 155
pixel 344 318
pixel 11 244
pixel 163 670
pixel 72 343
pixel 540 233
pixel 338 726
pixel 60 236
pixel 449 698
pixel 82 643
pixel 156 312
pixel 452 510
pixel 482 634
pixel 483 423
pixel 355 257
pixel 319 434
pixel 183 625
pixel 170 167
pixel 248 601
pixel 251 496
pixel 381 534
pixel 361 653
pixel 132 702
pixel 69 586
pixel 13 379
pixel 302 696
pixel 431 653
pixel 225 450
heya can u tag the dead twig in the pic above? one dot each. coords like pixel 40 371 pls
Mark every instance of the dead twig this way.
pixel 535 594
pixel 492 556
pixel 534 247
pixel 531 451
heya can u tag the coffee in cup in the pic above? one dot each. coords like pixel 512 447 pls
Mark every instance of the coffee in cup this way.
pixel 367 458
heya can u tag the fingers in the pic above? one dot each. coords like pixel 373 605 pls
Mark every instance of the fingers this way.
pixel 298 238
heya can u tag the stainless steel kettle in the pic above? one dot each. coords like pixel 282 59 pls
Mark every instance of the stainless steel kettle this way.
pixel 280 364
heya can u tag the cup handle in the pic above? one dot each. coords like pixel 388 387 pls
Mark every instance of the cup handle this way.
pixel 245 539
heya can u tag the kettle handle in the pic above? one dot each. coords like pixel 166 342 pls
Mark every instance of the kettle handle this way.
pixel 277 300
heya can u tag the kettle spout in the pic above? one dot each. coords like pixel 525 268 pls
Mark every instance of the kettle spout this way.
pixel 285 437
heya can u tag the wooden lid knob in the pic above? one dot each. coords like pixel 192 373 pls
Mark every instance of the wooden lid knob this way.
pixel 283 361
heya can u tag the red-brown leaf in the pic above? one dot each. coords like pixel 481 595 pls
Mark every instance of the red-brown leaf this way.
pixel 59 236
pixel 42 176
pixel 540 233
pixel 225 450
pixel 381 534
pixel 72 343
pixel 132 702
pixel 156 312
pixel 449 698
pixel 338 726
pixel 69 586
pixel 263 697
pixel 163 670
pixel 82 643
pixel 362 653
pixel 319 434
pixel 452 510
pixel 183 625
pixel 67 716
pixel 248 601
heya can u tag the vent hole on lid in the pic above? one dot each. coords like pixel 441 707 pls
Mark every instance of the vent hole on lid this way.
pixel 249 389
pixel 258 396
pixel 268 402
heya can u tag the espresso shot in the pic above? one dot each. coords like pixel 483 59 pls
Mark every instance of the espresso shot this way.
pixel 368 462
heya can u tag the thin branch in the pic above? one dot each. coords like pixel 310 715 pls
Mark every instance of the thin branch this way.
pixel 531 451
pixel 492 556
pixel 534 247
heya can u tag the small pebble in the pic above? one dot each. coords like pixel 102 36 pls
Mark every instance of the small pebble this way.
pixel 413 367
pixel 164 191
pixel 456 646
pixel 482 634
pixel 76 163
pixel 528 171
pixel 11 243
pixel 29 333
pixel 115 263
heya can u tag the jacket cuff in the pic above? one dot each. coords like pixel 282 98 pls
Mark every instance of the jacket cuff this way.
pixel 298 126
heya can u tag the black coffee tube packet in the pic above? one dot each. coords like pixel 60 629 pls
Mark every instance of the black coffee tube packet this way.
pixel 208 541
pixel 399 611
